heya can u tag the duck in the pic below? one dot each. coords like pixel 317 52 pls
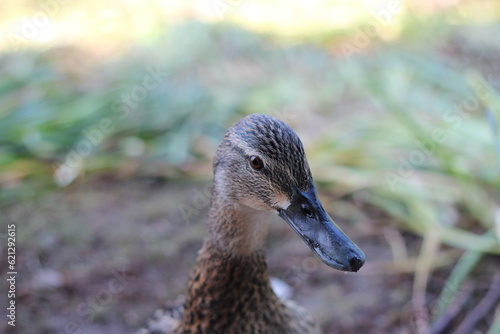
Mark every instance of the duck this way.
pixel 260 168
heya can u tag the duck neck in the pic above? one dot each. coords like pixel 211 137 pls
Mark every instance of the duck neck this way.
pixel 225 290
pixel 236 229
pixel 231 274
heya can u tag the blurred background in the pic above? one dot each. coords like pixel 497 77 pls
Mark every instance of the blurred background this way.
pixel 110 114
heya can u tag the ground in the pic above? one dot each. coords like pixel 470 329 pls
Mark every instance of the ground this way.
pixel 100 256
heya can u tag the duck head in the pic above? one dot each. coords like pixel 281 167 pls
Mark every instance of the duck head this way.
pixel 261 165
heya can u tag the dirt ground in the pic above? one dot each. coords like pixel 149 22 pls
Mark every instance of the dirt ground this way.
pixel 100 256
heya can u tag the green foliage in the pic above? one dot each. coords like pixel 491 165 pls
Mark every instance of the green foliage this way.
pixel 401 128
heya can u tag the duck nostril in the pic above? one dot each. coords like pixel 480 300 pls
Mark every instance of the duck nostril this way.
pixel 356 263
pixel 307 211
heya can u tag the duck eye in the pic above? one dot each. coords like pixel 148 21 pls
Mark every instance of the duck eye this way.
pixel 256 162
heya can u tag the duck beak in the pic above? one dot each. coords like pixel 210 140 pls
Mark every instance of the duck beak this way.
pixel 306 216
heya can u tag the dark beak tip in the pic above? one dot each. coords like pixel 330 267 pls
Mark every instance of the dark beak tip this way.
pixel 356 263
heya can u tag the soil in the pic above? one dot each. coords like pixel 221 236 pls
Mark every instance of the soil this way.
pixel 102 255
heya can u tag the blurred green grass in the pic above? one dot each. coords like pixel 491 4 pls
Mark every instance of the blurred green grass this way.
pixel 365 119
pixel 369 115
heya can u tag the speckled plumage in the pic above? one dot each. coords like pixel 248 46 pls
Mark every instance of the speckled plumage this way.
pixel 231 294
pixel 229 291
